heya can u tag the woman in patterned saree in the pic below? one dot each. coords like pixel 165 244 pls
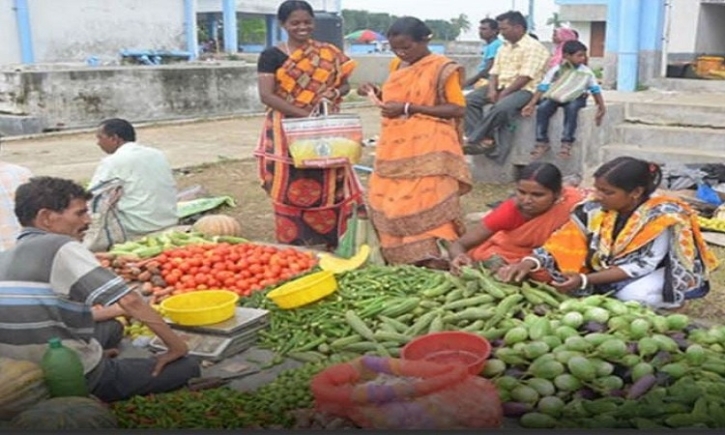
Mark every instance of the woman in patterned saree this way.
pixel 639 247
pixel 420 172
pixel 310 205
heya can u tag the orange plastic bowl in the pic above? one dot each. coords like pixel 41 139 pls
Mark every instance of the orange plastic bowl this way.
pixel 450 347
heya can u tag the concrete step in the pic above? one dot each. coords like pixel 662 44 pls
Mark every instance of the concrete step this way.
pixel 701 138
pixel 660 155
pixel 709 113
pixel 19 125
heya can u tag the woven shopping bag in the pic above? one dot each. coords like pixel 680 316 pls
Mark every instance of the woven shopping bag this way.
pixel 324 140
pixel 569 86
pixel 105 229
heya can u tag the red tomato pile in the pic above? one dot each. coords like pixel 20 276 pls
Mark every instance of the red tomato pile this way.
pixel 241 268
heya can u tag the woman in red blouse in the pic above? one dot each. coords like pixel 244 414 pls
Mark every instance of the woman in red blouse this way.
pixel 519 224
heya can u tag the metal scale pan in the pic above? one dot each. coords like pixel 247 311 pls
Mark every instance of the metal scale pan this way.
pixel 221 340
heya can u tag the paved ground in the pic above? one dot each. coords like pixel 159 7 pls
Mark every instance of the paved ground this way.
pixel 75 155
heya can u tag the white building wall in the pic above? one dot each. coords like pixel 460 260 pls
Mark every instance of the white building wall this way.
pixel 73 30
pixel 10 46
pixel 711 30
pixel 584 28
pixel 683 26
pixel 268 7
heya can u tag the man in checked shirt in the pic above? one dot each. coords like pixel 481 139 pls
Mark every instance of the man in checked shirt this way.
pixel 518 67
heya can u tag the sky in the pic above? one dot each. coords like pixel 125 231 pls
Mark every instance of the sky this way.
pixel 447 9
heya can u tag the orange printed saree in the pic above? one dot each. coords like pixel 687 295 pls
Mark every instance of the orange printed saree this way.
pixel 419 172
pixel 311 206
pixel 585 244
pixel 513 245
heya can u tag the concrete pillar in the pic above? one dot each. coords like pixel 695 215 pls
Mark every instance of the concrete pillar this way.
pixel 192 41
pixel 25 33
pixel 650 39
pixel 611 44
pixel 229 16
pixel 272 27
pixel 212 24
pixel 629 32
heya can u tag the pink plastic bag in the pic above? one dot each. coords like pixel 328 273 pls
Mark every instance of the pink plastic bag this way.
pixel 388 393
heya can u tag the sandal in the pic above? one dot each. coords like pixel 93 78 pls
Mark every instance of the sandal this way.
pixel 488 144
pixel 565 150
pixel 483 147
pixel 539 150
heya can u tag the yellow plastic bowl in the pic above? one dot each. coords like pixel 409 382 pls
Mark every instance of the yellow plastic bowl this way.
pixel 203 307
pixel 305 290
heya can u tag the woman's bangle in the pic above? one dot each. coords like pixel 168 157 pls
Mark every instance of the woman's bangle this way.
pixel 338 94
pixel 585 281
pixel 537 263
pixel 406 109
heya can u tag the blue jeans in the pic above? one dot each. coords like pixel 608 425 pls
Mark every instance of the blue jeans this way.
pixel 546 110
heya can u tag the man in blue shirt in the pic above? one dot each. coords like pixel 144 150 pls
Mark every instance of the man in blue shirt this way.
pixel 488 31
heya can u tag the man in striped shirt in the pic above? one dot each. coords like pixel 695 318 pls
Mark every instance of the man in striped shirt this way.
pixel 48 284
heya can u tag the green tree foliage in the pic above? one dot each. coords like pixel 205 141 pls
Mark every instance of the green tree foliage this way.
pixel 251 30
pixel 462 23
pixel 554 20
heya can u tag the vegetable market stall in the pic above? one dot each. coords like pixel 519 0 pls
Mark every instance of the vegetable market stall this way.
pixel 557 361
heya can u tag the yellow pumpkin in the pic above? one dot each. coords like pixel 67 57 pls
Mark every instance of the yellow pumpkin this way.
pixel 21 385
pixel 218 225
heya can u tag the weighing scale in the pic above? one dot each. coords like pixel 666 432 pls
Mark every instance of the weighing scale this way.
pixel 220 340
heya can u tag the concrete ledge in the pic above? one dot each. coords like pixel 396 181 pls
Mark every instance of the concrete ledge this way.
pixel 13 125
pixel 585 154
pixel 81 97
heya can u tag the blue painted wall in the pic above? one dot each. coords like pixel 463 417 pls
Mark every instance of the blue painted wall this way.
pixel 629 34
pixel 652 24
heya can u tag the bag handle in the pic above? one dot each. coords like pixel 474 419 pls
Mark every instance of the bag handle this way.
pixel 325 104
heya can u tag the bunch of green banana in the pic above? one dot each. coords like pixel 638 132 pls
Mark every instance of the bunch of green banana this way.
pixel 151 246
pixel 712 224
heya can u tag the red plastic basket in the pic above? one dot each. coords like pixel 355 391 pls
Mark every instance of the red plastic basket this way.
pixel 450 347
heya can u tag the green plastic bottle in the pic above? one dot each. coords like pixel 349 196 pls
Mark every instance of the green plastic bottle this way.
pixel 63 371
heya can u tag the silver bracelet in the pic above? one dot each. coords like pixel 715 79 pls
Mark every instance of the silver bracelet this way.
pixel 406 108
pixel 536 261
pixel 585 281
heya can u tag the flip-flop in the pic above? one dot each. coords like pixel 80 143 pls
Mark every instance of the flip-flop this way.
pixel 539 151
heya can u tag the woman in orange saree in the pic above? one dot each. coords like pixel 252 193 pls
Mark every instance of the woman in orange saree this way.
pixel 627 242
pixel 419 171
pixel 520 224
pixel 311 206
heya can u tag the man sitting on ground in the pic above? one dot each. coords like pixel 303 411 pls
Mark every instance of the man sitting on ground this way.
pixel 148 200
pixel 48 284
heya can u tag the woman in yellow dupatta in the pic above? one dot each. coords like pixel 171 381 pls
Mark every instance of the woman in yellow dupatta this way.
pixel 311 206
pixel 420 172
pixel 520 224
pixel 625 241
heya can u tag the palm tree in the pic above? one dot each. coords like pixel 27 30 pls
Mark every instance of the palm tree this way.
pixel 461 23
pixel 554 20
